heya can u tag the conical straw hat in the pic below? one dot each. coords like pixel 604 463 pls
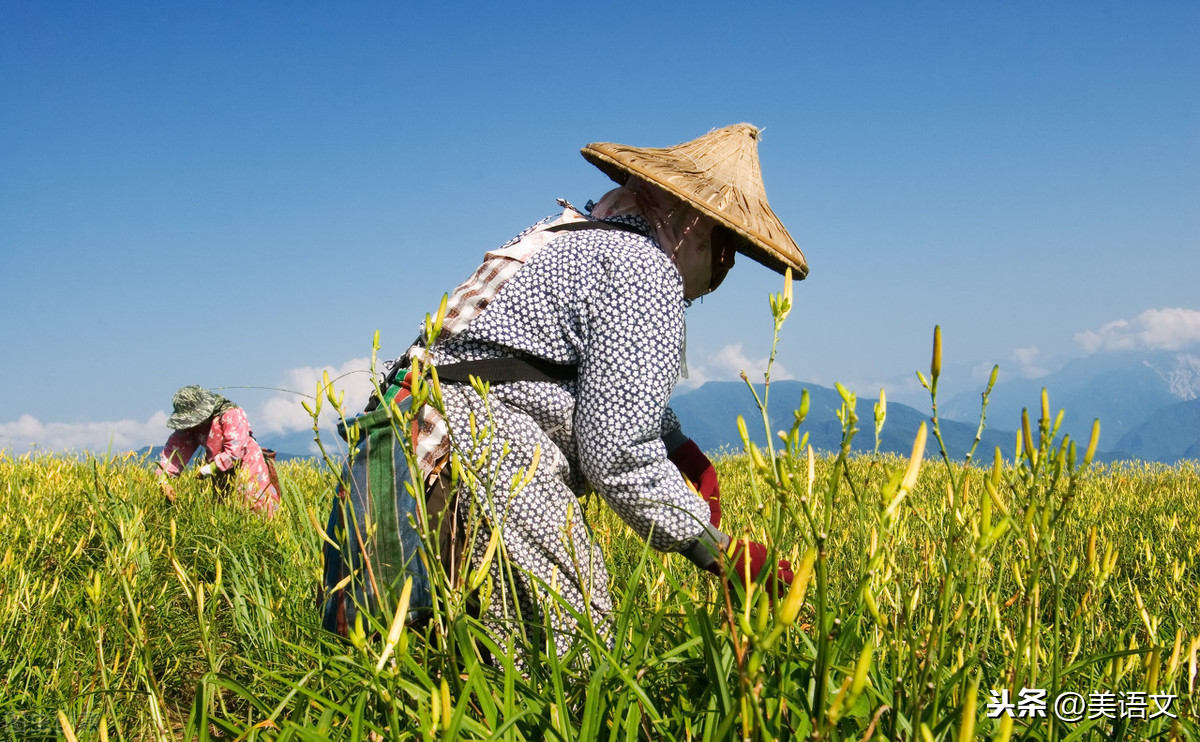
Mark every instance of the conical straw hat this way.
pixel 719 175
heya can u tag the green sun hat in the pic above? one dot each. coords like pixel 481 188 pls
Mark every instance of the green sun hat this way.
pixel 193 405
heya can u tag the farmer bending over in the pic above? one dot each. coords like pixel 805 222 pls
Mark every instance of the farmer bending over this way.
pixel 590 304
pixel 233 459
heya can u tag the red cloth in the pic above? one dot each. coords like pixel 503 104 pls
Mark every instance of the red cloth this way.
pixel 756 553
pixel 694 465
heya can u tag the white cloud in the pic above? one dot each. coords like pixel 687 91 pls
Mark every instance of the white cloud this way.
pixel 727 364
pixel 1025 356
pixel 281 413
pixel 1153 329
pixel 981 372
pixel 28 433
pixel 284 412
pixel 1027 365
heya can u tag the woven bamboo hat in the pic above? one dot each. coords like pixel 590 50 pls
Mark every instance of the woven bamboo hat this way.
pixel 719 175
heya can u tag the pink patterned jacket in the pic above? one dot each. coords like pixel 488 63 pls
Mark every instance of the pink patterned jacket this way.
pixel 230 448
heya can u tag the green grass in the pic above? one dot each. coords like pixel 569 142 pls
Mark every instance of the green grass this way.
pixel 928 588
pixel 101 614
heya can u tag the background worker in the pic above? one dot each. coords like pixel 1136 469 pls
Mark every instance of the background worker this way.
pixel 234 461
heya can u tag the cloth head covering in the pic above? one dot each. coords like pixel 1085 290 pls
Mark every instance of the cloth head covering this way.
pixel 719 175
pixel 194 405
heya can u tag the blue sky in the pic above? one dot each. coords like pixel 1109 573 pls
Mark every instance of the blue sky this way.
pixel 240 195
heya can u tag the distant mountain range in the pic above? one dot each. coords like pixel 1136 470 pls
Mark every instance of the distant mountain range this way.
pixel 1148 405
pixel 709 415
pixel 1146 402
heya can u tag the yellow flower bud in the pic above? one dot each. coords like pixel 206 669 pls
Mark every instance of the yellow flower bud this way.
pixel 790 608
pixel 914 461
pixel 1093 440
pixel 935 366
pixel 861 669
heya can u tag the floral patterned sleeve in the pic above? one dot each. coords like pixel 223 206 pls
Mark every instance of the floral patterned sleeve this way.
pixel 235 429
pixel 632 361
pixel 177 452
pixel 670 423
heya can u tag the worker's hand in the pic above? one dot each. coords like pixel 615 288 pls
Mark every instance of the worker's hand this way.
pixel 206 471
pixel 749 559
pixel 167 490
pixel 694 465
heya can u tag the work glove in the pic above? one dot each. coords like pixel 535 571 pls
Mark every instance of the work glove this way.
pixel 695 466
pixel 167 490
pixel 748 560
pixel 207 471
